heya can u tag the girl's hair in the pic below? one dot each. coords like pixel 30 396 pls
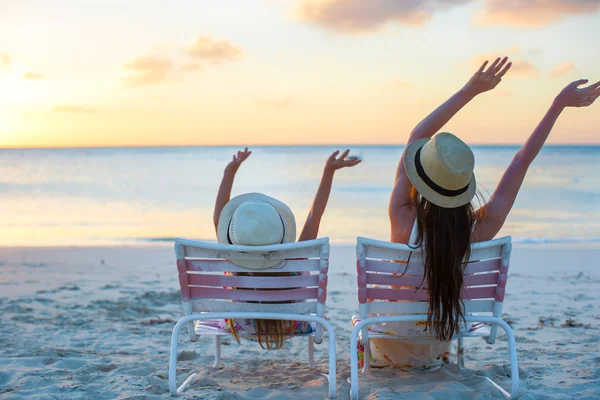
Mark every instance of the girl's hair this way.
pixel 274 333
pixel 446 235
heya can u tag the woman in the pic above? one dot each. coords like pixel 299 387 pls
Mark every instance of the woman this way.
pixel 431 206
pixel 255 219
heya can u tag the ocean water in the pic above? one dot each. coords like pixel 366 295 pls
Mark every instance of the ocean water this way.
pixel 141 195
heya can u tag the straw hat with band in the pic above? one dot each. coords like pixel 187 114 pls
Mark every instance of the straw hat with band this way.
pixel 253 219
pixel 441 169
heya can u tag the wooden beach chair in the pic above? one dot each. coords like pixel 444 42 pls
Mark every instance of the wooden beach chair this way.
pixel 383 264
pixel 209 295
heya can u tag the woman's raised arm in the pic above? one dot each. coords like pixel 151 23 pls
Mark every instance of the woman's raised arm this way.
pixel 495 211
pixel 483 80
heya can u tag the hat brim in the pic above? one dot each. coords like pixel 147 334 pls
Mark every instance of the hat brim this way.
pixel 424 189
pixel 289 225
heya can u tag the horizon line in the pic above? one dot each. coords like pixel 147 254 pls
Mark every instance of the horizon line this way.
pixel 273 145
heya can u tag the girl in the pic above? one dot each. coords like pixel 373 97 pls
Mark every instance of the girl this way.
pixel 431 207
pixel 256 219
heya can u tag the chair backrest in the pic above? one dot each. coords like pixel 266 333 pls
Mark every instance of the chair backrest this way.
pixel 384 264
pixel 205 286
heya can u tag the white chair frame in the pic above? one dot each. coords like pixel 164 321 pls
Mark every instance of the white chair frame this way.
pixel 417 310
pixel 203 309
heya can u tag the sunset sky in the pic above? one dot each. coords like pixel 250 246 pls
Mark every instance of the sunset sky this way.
pixel 155 72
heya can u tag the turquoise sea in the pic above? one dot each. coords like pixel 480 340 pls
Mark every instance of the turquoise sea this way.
pixel 88 196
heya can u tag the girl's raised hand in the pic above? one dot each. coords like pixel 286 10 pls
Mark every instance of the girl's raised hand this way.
pixel 334 163
pixel 485 80
pixel 238 159
pixel 571 96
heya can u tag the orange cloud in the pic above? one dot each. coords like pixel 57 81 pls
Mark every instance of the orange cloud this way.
pixel 148 70
pixel 215 51
pixel 561 69
pixel 70 108
pixel 519 66
pixel 33 76
pixel 523 67
pixel 5 59
pixel 361 16
pixel 533 12
pixel 275 104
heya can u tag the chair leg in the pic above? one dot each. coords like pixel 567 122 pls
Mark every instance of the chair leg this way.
pixel 354 364
pixel 367 356
pixel 514 367
pixel 311 352
pixel 217 351
pixel 460 361
pixel 173 364
pixel 332 364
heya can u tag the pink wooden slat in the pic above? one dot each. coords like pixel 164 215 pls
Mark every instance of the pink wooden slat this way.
pixel 422 295
pixel 251 282
pixel 253 295
pixel 474 293
pixel 413 268
pixel 183 281
pixel 322 292
pixel 481 279
pixel 417 268
pixel 361 280
pixel 211 265
pixel 501 287
pixel 417 281
pixel 492 264
pixel 395 280
pixel 396 294
pixel 322 295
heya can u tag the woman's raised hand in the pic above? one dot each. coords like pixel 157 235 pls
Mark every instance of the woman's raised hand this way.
pixel 237 160
pixel 485 80
pixel 571 96
pixel 334 163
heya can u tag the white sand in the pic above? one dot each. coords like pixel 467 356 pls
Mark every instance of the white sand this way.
pixel 90 323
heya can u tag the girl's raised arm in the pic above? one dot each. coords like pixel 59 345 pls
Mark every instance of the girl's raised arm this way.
pixel 224 193
pixel 311 226
pixel 483 80
pixel 497 208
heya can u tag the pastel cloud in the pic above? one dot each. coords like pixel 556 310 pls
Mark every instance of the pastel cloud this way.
pixel 33 76
pixel 361 16
pixel 213 50
pixel 533 12
pixel 5 59
pixel 561 70
pixel 523 67
pixel 73 109
pixel 148 70
pixel 520 66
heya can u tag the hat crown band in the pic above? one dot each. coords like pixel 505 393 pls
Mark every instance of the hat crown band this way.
pixel 447 161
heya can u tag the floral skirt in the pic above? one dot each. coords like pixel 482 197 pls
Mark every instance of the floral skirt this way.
pixel 248 326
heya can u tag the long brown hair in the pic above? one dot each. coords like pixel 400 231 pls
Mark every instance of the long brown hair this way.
pixel 275 333
pixel 446 236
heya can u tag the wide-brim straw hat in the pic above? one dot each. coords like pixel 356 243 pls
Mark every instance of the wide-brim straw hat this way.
pixel 254 219
pixel 441 169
